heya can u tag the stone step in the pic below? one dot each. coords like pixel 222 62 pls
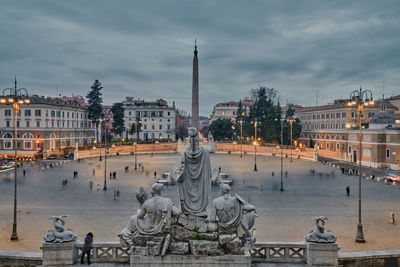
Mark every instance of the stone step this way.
pixel 93 265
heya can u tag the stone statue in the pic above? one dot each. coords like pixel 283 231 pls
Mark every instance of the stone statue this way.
pixel 152 219
pixel 232 214
pixel 193 177
pixel 319 235
pixel 59 234
pixel 211 141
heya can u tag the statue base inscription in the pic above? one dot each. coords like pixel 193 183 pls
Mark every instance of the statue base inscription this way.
pixel 191 261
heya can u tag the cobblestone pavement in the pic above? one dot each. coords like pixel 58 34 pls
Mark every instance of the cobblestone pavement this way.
pixel 282 216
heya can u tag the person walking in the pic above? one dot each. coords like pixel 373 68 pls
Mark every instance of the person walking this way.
pixel 87 247
pixel 348 191
pixel 118 193
pixel 24 172
pixel 392 220
pixel 110 175
pixel 94 172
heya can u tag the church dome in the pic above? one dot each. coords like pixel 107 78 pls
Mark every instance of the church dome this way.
pixel 382 117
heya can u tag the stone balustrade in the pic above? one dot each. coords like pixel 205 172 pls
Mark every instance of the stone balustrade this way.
pixel 276 252
pixel 104 252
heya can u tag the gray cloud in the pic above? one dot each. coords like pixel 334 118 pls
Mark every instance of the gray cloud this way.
pixel 145 48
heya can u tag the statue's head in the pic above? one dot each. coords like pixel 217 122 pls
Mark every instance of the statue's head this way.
pixel 192 132
pixel 157 189
pixel 224 189
pixel 320 223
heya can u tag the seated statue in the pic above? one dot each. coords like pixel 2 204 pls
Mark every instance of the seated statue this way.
pixel 59 234
pixel 319 235
pixel 152 218
pixel 232 214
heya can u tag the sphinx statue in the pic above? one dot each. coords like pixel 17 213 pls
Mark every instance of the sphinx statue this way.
pixel 59 234
pixel 153 218
pixel 232 214
pixel 319 235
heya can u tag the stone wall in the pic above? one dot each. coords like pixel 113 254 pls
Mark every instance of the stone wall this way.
pixel 129 150
pixel 26 259
pixel 370 258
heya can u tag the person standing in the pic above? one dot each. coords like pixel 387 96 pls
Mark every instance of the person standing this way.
pixel 87 247
pixel 348 190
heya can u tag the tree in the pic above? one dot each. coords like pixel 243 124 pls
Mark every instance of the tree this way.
pixel 118 118
pixel 221 129
pixel 94 104
pixel 135 127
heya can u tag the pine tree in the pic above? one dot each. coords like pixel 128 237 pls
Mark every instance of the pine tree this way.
pixel 95 104
pixel 118 118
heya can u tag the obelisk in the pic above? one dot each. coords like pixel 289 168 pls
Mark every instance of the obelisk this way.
pixel 195 89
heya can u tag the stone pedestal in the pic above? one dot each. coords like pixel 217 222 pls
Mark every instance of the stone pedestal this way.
pixel 322 254
pixel 191 261
pixel 58 253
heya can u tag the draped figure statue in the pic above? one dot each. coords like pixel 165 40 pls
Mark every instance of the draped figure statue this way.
pixel 194 177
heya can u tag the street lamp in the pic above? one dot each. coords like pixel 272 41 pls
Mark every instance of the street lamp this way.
pixel 137 137
pixel 241 137
pixel 16 97
pixel 101 128
pixel 255 144
pixel 282 120
pixel 291 139
pixel 360 98
pixel 105 120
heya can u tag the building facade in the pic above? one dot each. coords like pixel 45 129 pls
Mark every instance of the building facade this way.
pixel 157 119
pixel 228 110
pixel 335 128
pixel 46 124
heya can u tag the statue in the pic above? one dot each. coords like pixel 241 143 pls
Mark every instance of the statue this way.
pixel 211 141
pixel 59 234
pixel 232 214
pixel 319 235
pixel 153 218
pixel 193 177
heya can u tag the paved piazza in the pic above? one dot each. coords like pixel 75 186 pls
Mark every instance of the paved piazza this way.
pixel 282 216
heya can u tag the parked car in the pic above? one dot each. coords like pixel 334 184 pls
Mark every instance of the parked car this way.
pixel 52 156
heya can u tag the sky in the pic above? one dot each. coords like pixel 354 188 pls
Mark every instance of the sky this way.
pixel 309 51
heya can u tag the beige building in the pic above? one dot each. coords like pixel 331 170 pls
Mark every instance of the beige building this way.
pixel 228 110
pixel 334 129
pixel 46 124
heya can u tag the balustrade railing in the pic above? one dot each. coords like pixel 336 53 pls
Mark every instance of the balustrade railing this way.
pixel 104 252
pixel 279 252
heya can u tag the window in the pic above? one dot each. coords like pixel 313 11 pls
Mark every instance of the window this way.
pixel 137 113
pixel 323 116
pixel 28 144
pixel 129 113
pixel 169 127
pixel 58 114
pixel 38 124
pixel 67 114
pixel 27 112
pixel 317 116
pixel 337 115
pixel 38 113
pixel 28 124
pixel 145 127
pixel 81 115
pixel 58 123
pixel 144 113
pixel 343 126
pixel 7 112
pixel 7 123
pixel 7 144
pixel 153 114
pixel 63 114
pixel 72 113
pixel 349 149
pixel 327 116
pixel 169 113
pixel 371 114
pixel 53 113
pixel 160 113
pixel 343 115
pixel 47 124
pixel 160 127
pixel 52 124
pixel 322 126
pixel 18 124
pixel 387 153
pixel 337 146
pixel 352 114
pixel 152 126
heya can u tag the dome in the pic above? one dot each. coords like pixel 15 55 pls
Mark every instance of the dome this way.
pixel 382 117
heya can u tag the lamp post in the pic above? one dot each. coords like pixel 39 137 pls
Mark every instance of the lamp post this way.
pixel 16 97
pixel 101 127
pixel 291 139
pixel 281 146
pixel 241 137
pixel 136 143
pixel 360 98
pixel 255 145
pixel 105 120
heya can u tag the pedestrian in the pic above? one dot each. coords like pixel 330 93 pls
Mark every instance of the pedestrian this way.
pixel 348 191
pixel 392 218
pixel 155 174
pixel 23 172
pixel 114 175
pixel 219 169
pixel 273 174
pixel 118 193
pixel 286 174
pixel 110 175
pixel 87 247
pixel 115 194
pixel 142 168
pixel 91 185
pixel 94 172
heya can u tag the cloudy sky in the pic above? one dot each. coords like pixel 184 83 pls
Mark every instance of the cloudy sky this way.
pixel 145 48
